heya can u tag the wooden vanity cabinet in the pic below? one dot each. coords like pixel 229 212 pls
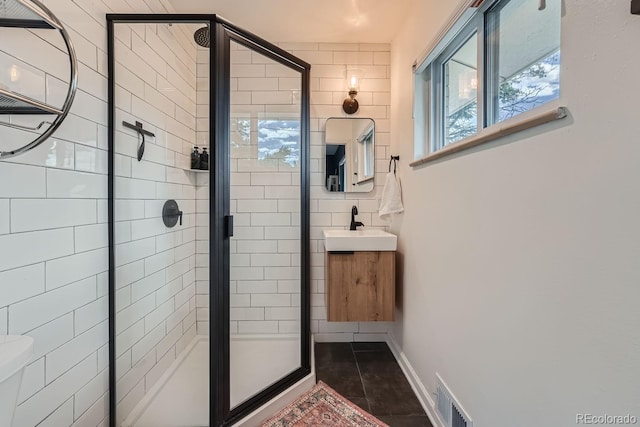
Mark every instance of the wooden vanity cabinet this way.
pixel 360 286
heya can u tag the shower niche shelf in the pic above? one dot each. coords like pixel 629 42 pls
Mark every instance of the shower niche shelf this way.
pixel 27 14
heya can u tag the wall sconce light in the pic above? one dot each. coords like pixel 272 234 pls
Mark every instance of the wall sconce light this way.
pixel 350 104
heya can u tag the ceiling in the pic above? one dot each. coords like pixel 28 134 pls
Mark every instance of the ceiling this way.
pixel 333 21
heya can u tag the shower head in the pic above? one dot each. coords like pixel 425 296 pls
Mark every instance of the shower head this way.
pixel 202 36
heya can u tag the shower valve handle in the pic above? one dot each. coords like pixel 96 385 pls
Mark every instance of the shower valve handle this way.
pixel 171 213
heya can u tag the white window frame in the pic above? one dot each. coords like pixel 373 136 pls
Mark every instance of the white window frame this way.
pixel 437 82
pixel 429 138
pixel 366 145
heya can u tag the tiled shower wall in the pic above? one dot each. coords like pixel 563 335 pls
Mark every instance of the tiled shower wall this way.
pixel 155 265
pixel 53 214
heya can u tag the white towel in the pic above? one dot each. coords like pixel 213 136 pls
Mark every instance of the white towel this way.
pixel 391 202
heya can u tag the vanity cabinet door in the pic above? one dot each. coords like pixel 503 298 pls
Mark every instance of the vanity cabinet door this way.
pixel 360 286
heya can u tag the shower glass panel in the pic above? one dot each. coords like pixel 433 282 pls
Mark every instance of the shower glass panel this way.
pixel 161 78
pixel 208 269
pixel 265 201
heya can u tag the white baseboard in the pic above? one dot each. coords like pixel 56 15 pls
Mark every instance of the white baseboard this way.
pixel 418 387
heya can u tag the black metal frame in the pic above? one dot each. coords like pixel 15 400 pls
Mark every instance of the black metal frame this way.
pixel 219 204
pixel 229 32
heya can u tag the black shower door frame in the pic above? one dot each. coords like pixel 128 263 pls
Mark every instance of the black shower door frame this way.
pixel 220 219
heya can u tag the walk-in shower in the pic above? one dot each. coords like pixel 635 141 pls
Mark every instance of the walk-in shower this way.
pixel 209 269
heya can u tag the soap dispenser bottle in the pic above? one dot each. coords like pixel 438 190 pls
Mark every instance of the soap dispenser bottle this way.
pixel 204 159
pixel 195 159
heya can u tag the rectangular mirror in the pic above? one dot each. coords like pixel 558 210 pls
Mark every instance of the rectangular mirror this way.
pixel 350 155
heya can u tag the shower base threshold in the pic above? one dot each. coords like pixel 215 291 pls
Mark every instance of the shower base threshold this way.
pixel 181 395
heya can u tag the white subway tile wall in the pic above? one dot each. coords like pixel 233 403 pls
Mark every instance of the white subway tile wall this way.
pixel 264 197
pixel 53 269
pixel 329 209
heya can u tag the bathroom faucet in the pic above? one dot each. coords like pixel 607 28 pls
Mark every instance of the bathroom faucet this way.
pixel 355 224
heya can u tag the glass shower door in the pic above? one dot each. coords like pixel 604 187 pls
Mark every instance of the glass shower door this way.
pixel 265 202
pixel 189 293
pixel 159 243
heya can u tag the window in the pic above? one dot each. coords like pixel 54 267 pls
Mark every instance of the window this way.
pixel 279 139
pixel 460 87
pixel 366 152
pixel 499 60
pixel 273 140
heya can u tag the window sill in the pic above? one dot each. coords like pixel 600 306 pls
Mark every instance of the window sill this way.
pixel 508 127
pixel 365 180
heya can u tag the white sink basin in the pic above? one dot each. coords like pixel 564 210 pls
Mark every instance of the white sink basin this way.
pixel 359 240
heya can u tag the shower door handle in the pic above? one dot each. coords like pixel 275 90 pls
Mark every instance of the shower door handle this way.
pixel 228 226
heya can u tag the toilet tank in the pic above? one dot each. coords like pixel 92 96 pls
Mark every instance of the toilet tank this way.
pixel 15 353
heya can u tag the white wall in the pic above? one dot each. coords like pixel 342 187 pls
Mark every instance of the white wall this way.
pixel 519 259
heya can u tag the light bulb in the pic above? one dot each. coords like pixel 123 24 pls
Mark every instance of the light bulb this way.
pixel 353 82
pixel 353 79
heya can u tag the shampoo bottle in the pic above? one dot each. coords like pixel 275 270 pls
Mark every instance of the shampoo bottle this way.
pixel 204 159
pixel 195 159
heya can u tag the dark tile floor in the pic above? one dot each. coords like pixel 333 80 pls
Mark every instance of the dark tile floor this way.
pixel 369 376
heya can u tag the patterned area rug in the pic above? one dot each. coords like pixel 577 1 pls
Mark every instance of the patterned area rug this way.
pixel 323 406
